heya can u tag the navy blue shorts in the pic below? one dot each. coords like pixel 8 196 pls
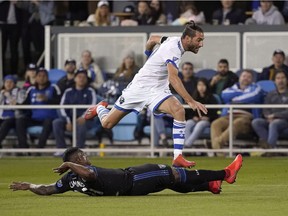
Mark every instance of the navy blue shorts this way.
pixel 150 178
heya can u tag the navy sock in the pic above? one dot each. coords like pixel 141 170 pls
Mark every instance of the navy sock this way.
pixel 200 176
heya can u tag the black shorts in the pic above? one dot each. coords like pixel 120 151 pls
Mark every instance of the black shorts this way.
pixel 151 178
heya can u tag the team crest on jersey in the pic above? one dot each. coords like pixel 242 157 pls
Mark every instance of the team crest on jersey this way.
pixel 175 59
pixel 121 100
pixel 59 183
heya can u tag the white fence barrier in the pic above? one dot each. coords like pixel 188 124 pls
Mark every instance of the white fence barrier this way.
pixel 150 149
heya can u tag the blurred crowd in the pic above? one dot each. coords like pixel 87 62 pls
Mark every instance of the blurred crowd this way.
pixel 25 20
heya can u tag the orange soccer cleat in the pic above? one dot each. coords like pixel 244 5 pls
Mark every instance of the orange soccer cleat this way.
pixel 215 186
pixel 232 169
pixel 91 112
pixel 180 161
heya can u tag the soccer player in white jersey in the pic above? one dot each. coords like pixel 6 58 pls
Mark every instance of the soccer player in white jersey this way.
pixel 150 87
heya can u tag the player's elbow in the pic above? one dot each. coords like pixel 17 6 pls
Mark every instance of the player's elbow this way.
pixel 89 176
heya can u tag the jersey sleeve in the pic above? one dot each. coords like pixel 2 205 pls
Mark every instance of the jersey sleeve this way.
pixel 62 185
pixel 169 54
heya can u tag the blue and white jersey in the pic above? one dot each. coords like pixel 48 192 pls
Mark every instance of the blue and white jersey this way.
pixel 154 72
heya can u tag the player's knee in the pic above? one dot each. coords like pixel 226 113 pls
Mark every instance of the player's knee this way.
pixel 107 124
pixel 178 110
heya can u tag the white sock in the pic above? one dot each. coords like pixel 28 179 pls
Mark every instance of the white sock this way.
pixel 178 136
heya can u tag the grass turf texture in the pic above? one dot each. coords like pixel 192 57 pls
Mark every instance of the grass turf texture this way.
pixel 261 189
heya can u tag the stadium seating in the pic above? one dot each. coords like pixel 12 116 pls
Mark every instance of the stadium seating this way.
pixel 206 73
pixel 55 75
pixel 124 130
pixel 267 85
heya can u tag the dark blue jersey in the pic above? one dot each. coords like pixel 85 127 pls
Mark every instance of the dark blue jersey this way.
pixel 109 182
pixel 138 180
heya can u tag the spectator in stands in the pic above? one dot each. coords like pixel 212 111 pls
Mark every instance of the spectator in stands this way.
pixel 188 79
pixel 37 14
pixel 243 92
pixel 68 80
pixel 267 14
pixel 195 125
pixel 43 93
pixel 9 95
pixel 224 78
pixel 278 59
pixel 160 17
pixel 145 15
pixel 228 14
pixel 102 16
pixel 127 70
pixel 275 119
pixel 10 25
pixel 126 18
pixel 285 10
pixel 189 12
pixel 95 74
pixel 30 76
pixel 82 94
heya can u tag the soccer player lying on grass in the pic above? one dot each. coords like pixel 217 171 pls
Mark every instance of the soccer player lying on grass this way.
pixel 137 180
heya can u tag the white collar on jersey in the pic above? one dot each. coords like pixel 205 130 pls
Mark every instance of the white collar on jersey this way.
pixel 180 46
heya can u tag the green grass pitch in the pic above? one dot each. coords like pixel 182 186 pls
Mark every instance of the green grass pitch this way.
pixel 261 189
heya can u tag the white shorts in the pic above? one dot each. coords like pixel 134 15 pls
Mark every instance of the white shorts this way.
pixel 135 99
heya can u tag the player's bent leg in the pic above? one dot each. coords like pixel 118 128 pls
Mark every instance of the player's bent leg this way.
pixel 173 107
pixel 112 118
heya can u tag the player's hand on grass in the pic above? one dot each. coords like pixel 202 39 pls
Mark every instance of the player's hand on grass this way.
pixel 195 105
pixel 19 186
pixel 64 167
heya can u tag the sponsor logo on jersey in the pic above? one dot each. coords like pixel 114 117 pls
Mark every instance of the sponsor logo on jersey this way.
pixel 73 184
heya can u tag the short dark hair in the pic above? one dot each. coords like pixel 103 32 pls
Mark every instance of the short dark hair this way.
pixel 69 153
pixel 187 63
pixel 190 29
pixel 250 71
pixel 223 61
pixel 278 72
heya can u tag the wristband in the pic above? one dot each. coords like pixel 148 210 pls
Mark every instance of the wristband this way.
pixel 148 52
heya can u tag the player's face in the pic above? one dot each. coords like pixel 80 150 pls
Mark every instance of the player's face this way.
pixel 83 158
pixel 195 43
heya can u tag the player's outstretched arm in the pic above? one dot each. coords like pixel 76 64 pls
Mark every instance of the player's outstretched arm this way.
pixel 180 89
pixel 83 171
pixel 37 189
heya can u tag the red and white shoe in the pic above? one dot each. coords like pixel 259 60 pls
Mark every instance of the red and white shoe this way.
pixel 180 161
pixel 215 187
pixel 232 169
pixel 91 112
